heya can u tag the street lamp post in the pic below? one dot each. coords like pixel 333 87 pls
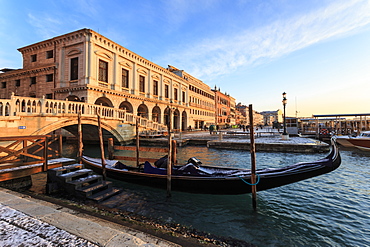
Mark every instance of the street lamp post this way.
pixel 285 135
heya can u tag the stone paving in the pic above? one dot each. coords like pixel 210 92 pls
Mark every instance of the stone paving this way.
pixel 25 221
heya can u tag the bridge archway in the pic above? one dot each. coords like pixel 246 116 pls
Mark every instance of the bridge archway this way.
pixel 142 111
pixel 104 101
pixel 125 105
pixel 72 125
pixel 156 114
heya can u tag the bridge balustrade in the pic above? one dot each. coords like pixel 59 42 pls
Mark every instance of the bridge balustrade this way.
pixel 26 106
pixel 4 107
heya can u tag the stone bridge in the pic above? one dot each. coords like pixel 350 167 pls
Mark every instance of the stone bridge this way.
pixel 24 116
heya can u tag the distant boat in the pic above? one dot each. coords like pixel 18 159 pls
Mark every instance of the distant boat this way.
pixel 216 180
pixel 361 143
pixel 344 140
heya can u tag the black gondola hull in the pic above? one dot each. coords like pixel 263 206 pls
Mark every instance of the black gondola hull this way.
pixel 226 185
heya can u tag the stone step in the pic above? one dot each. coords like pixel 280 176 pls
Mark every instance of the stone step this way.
pixel 103 195
pixel 54 172
pixel 75 175
pixel 85 181
pixel 94 188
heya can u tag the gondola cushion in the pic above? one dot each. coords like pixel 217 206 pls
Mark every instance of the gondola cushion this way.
pixel 148 168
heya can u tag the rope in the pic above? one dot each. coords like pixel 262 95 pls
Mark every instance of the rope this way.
pixel 258 180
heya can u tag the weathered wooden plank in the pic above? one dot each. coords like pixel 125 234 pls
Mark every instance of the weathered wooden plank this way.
pixel 16 138
pixel 17 163
pixel 13 174
pixel 10 161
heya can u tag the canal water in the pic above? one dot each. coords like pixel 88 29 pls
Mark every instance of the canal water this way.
pixel 328 210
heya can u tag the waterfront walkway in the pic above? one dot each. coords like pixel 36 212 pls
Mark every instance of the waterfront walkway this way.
pixel 265 140
pixel 26 221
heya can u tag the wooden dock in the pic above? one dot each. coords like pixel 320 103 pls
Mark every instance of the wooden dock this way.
pixel 26 155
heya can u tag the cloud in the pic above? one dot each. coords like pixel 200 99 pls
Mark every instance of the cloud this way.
pixel 45 25
pixel 58 18
pixel 218 56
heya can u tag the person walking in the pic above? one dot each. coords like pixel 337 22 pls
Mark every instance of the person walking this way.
pixel 211 129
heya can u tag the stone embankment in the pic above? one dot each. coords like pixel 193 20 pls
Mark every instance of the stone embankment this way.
pixel 269 141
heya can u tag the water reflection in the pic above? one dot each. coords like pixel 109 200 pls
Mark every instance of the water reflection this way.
pixel 329 210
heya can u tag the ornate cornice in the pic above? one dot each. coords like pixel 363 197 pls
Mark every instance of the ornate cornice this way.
pixel 26 72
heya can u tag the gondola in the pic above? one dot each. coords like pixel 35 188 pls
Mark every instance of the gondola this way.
pixel 195 178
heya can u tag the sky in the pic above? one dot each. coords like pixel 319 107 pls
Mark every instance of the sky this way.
pixel 317 51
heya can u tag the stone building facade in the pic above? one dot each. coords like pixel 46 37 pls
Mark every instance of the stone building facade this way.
pixel 243 118
pixel 86 66
pixel 201 101
pixel 223 110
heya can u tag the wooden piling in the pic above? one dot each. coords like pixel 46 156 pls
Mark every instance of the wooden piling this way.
pixel 101 148
pixel 169 163
pixel 60 150
pixel 253 158
pixel 110 149
pixel 45 165
pixel 24 157
pixel 173 152
pixel 137 143
pixel 80 142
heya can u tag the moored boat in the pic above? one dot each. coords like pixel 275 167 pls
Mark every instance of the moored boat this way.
pixel 345 140
pixel 201 179
pixel 361 143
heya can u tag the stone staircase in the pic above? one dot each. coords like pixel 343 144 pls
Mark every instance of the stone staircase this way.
pixel 80 182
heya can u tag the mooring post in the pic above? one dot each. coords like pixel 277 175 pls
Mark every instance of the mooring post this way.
pixel 101 148
pixel 24 157
pixel 220 135
pixel 60 138
pixel 173 153
pixel 253 159
pixel 169 163
pixel 110 149
pixel 137 143
pixel 45 166
pixel 80 143
pixel 180 143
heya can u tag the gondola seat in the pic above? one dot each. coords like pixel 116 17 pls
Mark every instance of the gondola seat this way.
pixel 148 168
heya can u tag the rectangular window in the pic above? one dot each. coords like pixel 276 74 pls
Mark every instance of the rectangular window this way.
pixel 49 54
pixel 3 84
pixel 103 71
pixel 142 84
pixel 17 83
pixel 74 69
pixel 166 91
pixel 125 78
pixel 49 96
pixel 33 80
pixel 183 97
pixel 175 97
pixel 34 58
pixel 155 87
pixel 49 77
